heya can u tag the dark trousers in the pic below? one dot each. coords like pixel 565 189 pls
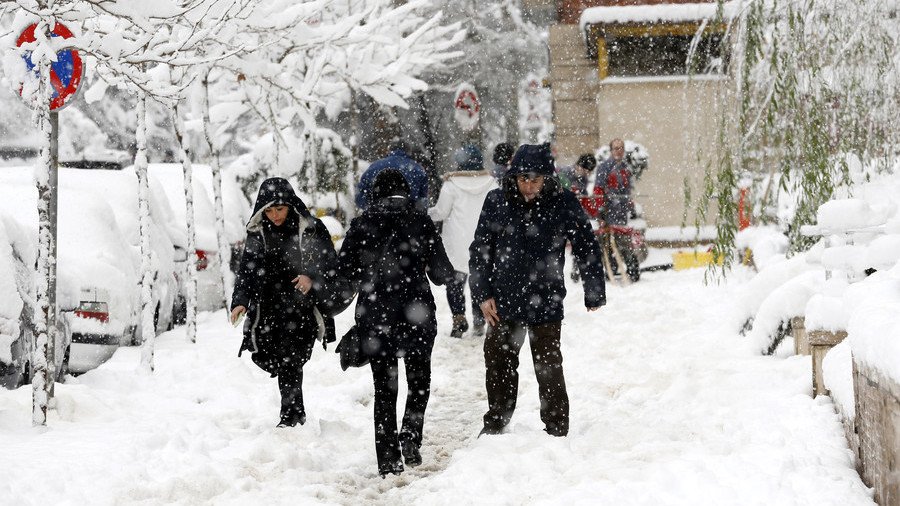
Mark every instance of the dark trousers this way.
pixel 418 390
pixel 290 377
pixel 290 384
pixel 456 299
pixel 501 358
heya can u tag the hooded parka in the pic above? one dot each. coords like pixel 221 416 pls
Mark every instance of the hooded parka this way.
pixel 459 206
pixel 283 323
pixel 400 249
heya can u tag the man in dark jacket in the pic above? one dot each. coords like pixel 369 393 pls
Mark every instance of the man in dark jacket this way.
pixel 516 265
pixel 287 276
pixel 400 160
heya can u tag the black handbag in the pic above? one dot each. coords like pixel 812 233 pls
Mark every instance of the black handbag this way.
pixel 351 350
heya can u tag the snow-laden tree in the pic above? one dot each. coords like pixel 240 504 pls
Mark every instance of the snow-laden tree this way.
pixel 500 50
pixel 127 45
pixel 323 54
pixel 814 89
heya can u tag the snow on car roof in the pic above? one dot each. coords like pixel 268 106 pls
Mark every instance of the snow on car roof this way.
pixel 92 248
pixel 237 208
pixel 660 13
pixel 10 300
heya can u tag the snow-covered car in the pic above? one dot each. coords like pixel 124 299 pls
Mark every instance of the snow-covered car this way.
pixel 170 177
pixel 17 283
pixel 98 255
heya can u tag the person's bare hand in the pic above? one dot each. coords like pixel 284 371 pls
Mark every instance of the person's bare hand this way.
pixel 302 283
pixel 236 313
pixel 489 310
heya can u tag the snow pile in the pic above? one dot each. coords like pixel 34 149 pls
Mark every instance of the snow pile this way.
pixel 783 303
pixel 874 322
pixel 861 235
pixel 824 312
pixel 665 13
pixel 845 214
pixel 767 243
pixel 837 371
pixel 752 294
pixel 11 303
pixel 679 234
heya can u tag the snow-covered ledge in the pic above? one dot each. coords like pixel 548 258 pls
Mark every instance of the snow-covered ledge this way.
pixel 663 79
pixel 661 13
pixel 838 375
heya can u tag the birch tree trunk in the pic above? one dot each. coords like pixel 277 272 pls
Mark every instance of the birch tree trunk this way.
pixel 40 381
pixel 224 247
pixel 148 332
pixel 191 313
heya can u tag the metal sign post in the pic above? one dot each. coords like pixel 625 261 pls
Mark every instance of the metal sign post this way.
pixel 64 77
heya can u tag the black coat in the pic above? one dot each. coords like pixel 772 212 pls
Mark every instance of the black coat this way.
pixel 400 250
pixel 282 323
pixel 518 253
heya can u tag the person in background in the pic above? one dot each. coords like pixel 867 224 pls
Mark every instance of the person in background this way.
pixel 400 160
pixel 615 180
pixel 516 264
pixel 287 260
pixel 503 153
pixel 458 207
pixel 388 255
pixel 575 177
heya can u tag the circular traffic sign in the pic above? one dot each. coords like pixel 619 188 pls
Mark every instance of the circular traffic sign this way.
pixel 65 73
pixel 467 100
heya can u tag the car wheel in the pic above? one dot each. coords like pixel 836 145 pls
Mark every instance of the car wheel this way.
pixel 63 368
pixel 179 312
pixel 25 377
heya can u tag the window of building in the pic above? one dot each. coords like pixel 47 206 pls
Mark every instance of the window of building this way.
pixel 663 55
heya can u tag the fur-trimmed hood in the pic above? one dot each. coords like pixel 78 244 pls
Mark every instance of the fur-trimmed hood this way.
pixel 276 191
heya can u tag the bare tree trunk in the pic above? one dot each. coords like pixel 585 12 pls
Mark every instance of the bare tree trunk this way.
pixel 40 381
pixel 224 247
pixel 191 313
pixel 434 179
pixel 148 332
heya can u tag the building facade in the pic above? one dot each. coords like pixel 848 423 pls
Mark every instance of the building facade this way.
pixel 618 69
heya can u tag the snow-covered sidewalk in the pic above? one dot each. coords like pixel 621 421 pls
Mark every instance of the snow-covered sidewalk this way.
pixel 668 407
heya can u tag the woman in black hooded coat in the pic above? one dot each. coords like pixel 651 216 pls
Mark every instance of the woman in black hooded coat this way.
pixel 286 280
pixel 388 255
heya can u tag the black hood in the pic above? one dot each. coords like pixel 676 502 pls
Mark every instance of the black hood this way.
pixel 275 191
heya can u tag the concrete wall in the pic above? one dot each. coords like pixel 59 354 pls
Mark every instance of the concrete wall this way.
pixel 676 120
pixel 878 428
pixel 574 85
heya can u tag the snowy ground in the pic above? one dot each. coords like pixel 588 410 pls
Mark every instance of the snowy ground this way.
pixel 668 407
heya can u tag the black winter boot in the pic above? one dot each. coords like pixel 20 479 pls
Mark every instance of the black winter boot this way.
pixel 395 468
pixel 460 326
pixel 410 451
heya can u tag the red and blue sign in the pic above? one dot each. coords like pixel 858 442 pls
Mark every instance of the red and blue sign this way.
pixel 66 72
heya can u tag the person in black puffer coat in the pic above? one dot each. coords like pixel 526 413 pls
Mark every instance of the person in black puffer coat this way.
pixel 287 268
pixel 516 267
pixel 389 254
